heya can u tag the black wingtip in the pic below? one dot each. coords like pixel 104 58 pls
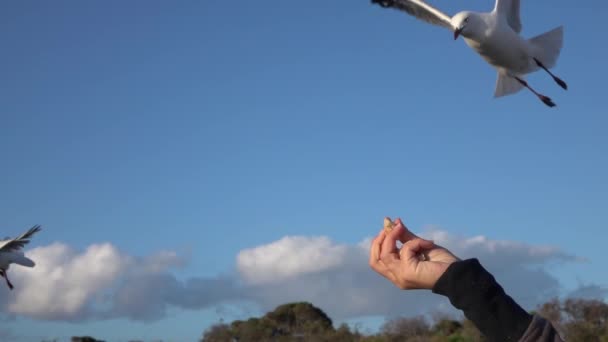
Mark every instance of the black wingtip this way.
pixel 384 3
pixel 35 229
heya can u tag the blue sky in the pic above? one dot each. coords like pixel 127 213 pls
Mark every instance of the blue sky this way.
pixel 209 127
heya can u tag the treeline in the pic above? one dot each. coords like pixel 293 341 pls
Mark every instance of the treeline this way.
pixel 576 319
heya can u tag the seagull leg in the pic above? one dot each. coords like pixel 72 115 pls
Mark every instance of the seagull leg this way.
pixel 555 78
pixel 5 276
pixel 8 282
pixel 546 100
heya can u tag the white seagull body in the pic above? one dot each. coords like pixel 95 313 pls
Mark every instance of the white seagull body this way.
pixel 11 253
pixel 495 36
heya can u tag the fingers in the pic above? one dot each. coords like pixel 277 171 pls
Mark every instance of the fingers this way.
pixel 374 258
pixel 388 248
pixel 412 247
pixel 374 251
pixel 404 234
pixel 404 268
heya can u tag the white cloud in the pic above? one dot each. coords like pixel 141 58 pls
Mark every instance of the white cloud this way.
pixel 589 291
pixel 289 257
pixel 338 279
pixel 63 280
pixel 497 251
pixel 102 282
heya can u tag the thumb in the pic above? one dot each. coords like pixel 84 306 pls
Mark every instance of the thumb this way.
pixel 412 247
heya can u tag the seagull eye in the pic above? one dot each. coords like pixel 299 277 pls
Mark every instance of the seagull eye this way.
pixel 466 20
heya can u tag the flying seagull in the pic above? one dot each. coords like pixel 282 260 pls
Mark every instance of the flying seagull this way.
pixel 495 36
pixel 11 253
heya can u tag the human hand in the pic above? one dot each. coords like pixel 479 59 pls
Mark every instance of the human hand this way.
pixel 404 267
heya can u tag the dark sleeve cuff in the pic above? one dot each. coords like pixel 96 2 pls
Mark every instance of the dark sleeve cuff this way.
pixel 472 289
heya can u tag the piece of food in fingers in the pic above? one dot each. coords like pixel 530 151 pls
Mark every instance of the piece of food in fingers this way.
pixel 388 224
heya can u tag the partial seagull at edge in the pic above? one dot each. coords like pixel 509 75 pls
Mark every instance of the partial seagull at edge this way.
pixel 11 252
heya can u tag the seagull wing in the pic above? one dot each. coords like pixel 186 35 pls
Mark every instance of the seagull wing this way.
pixel 510 9
pixel 18 242
pixel 420 10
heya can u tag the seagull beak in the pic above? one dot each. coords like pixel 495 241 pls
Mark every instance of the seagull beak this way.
pixel 457 32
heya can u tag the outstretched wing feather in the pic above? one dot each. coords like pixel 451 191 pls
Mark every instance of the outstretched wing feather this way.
pixel 423 11
pixel 511 10
pixel 18 242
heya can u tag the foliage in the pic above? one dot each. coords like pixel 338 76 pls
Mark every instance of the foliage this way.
pixel 578 319
pixel 575 319
pixel 85 339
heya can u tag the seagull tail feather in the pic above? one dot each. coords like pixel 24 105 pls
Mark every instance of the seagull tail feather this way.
pixel 506 85
pixel 547 47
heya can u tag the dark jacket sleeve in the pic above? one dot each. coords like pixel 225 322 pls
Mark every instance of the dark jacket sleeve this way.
pixel 541 330
pixel 472 289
